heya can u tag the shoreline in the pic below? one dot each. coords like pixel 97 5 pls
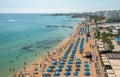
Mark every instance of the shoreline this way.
pixel 40 59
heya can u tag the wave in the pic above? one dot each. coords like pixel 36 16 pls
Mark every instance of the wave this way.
pixel 10 20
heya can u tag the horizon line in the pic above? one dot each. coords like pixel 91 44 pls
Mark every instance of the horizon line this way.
pixel 47 11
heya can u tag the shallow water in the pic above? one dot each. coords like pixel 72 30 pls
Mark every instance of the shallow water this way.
pixel 24 35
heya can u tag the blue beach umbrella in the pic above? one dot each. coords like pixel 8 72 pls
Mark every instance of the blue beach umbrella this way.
pixel 71 59
pixel 62 62
pixel 73 52
pixel 77 62
pixel 69 62
pixel 75 73
pixel 78 59
pixel 53 62
pixel 71 56
pixel 67 73
pixel 69 65
pixel 86 73
pixel 58 69
pixel 64 57
pixel 86 65
pixel 56 74
pixel 68 68
pixel 60 66
pixel 77 65
pixel 66 53
pixel 51 66
pixel 49 70
pixel 81 50
pixel 86 69
pixel 45 74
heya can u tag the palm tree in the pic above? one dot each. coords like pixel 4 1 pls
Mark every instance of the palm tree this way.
pixel 110 32
pixel 104 38
pixel 111 46
pixel 97 35
pixel 109 43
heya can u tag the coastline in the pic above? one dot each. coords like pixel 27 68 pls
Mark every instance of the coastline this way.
pixel 40 59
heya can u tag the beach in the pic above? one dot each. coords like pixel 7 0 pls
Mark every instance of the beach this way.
pixel 38 67
pixel 27 38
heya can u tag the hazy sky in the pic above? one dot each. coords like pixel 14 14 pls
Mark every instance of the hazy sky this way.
pixel 56 6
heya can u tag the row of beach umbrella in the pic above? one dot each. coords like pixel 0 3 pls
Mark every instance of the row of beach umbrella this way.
pixel 60 64
pixel 86 68
pixel 83 30
pixel 86 38
pixel 89 28
pixel 70 61
pixel 81 45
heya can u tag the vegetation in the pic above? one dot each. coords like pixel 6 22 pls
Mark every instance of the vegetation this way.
pixel 118 52
pixel 111 46
pixel 97 35
pixel 105 38
pixel 110 32
pixel 115 20
pixel 97 18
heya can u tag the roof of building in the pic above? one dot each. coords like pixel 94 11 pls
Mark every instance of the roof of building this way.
pixel 113 56
pixel 109 71
pixel 115 66
pixel 111 75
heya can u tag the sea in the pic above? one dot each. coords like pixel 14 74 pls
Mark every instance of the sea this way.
pixel 25 37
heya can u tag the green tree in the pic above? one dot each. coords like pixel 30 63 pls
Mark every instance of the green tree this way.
pixel 97 35
pixel 111 46
pixel 104 38
pixel 111 33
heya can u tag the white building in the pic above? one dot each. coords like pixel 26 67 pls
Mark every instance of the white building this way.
pixel 108 14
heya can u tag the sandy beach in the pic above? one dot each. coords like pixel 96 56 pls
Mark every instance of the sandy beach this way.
pixel 38 67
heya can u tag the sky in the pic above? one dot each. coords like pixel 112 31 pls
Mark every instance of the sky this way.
pixel 57 6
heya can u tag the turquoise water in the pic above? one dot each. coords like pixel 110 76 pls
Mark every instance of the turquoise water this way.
pixel 117 39
pixel 24 35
